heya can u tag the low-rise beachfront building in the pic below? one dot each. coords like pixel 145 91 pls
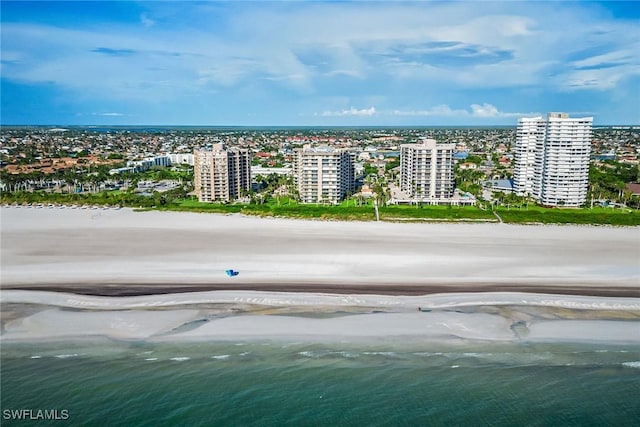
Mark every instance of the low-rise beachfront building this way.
pixel 323 174
pixel 221 174
pixel 261 170
pixel 181 158
pixel 118 171
pixel 149 162
pixel 426 171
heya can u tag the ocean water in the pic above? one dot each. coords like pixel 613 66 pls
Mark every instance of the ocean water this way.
pixel 349 384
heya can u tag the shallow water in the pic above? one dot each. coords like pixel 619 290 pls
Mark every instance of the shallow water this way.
pixel 366 383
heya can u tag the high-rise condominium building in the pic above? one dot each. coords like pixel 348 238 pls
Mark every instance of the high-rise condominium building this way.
pixel 426 171
pixel 221 174
pixel 323 174
pixel 551 159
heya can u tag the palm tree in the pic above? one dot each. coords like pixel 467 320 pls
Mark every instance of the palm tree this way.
pixel 626 197
pixel 621 187
pixel 528 199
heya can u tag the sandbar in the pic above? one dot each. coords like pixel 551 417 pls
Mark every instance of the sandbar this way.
pixel 250 315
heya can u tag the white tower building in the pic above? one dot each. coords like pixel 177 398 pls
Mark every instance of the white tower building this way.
pixel 323 174
pixel 529 143
pixel 426 171
pixel 552 159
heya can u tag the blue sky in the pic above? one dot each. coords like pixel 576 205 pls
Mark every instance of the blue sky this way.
pixel 318 63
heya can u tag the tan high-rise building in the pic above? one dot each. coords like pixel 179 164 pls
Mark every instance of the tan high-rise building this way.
pixel 426 170
pixel 323 174
pixel 221 174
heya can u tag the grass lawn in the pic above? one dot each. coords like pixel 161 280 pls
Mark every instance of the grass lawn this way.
pixel 349 211
pixel 284 208
pixel 602 216
pixel 344 211
pixel 444 213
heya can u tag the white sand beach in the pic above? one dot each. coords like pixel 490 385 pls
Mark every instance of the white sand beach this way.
pixel 348 280
pixel 84 246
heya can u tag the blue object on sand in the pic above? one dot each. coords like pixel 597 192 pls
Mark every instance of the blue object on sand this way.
pixel 232 273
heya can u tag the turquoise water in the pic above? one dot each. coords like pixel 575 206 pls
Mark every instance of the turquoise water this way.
pixel 265 384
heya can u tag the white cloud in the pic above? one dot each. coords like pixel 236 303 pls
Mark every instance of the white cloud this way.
pixel 350 112
pixel 108 114
pixel 484 110
pixel 346 49
pixel 146 21
pixel 227 73
pixel 442 110
pixel 598 78
pixel 348 73
pixel 475 110
pixel 336 43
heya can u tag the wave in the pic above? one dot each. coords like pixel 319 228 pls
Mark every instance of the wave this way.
pixel 426 353
pixel 317 354
pixel 221 357
pixel 391 354
pixel 632 364
pixel 428 356
pixel 502 358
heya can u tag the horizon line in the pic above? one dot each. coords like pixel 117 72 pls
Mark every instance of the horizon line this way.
pixel 290 126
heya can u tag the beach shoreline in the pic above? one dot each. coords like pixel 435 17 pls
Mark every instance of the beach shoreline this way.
pixel 33 316
pixel 160 276
pixel 404 289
